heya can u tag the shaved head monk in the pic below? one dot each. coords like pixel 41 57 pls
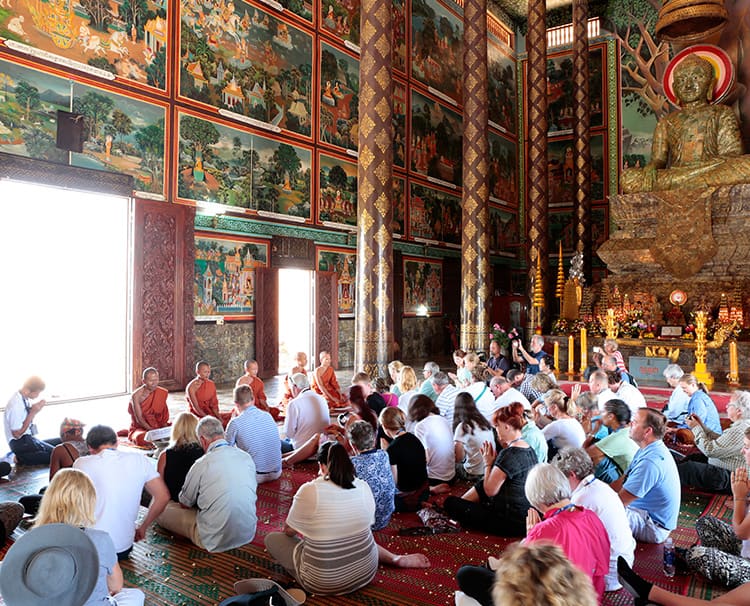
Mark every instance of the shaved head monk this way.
pixel 201 395
pixel 325 383
pixel 148 408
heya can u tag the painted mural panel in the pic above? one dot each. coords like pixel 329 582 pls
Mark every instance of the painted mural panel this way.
pixel 437 46
pixel 398 15
pixel 501 86
pixel 505 237
pixel 399 206
pixel 562 227
pixel 128 38
pixel 339 98
pixel 561 170
pixel 342 261
pixel 337 189
pixel 560 87
pixel 423 287
pixel 341 18
pixel 225 275
pixel 225 165
pixel 436 140
pixel 503 175
pixel 29 100
pixel 399 124
pixel 246 61
pixel 434 215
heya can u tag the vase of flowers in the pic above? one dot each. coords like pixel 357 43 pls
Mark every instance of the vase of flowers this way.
pixel 503 337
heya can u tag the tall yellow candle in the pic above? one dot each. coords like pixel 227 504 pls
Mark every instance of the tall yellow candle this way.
pixel 556 356
pixel 734 367
pixel 584 352
pixel 571 354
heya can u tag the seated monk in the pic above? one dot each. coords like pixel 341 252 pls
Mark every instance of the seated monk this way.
pixel 301 367
pixel 148 408
pixel 324 382
pixel 697 146
pixel 251 379
pixel 201 395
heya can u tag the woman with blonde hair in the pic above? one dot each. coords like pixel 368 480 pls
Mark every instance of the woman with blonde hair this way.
pixel 184 450
pixel 394 372
pixel 565 431
pixel 407 385
pixel 70 499
pixel 700 405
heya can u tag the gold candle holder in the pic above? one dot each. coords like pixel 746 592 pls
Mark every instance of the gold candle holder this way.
pixel 701 371
pixel 556 356
pixel 571 354
pixel 611 326
pixel 734 368
pixel 584 352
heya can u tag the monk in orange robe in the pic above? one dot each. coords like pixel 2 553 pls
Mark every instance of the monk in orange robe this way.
pixel 251 379
pixel 325 383
pixel 301 367
pixel 201 395
pixel 148 408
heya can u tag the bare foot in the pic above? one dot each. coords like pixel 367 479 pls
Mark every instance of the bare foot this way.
pixel 440 489
pixel 411 560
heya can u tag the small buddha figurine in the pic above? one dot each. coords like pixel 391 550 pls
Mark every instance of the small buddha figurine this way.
pixel 697 146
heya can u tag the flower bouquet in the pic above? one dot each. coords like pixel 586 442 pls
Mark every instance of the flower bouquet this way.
pixel 502 336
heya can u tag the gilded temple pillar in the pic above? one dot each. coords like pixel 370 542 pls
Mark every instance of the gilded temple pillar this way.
pixel 475 287
pixel 536 42
pixel 581 134
pixel 373 336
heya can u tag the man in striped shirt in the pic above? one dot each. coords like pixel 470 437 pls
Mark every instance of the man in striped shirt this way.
pixel 254 431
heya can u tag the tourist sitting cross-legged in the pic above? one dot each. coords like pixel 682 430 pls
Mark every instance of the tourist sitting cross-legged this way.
pixel 613 454
pixel 372 466
pixel 497 503
pixel 336 553
pixel 722 452
pixel 434 431
pixel 184 450
pixel 470 430
pixel 700 404
pixel 564 431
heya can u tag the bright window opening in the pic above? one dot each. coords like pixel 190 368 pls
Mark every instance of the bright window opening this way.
pixel 295 316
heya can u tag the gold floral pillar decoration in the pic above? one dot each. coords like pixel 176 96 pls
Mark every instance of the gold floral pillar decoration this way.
pixel 581 134
pixel 475 286
pixel 373 338
pixel 701 372
pixel 536 42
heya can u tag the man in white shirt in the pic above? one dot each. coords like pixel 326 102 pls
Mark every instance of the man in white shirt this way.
pixel 119 478
pixel 597 496
pixel 20 430
pixel 505 395
pixel 625 392
pixel 599 386
pixel 217 501
pixel 307 414
pixel 446 395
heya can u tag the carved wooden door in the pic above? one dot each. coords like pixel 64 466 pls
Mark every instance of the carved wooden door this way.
pixel 267 321
pixel 326 315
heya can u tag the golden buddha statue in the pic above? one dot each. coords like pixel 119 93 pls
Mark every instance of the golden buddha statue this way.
pixel 697 146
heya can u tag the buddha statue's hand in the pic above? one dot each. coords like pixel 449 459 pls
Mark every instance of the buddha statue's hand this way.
pixel 649 177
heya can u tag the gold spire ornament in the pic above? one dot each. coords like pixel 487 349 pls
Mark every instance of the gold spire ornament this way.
pixel 538 303
pixel 559 291
pixel 701 372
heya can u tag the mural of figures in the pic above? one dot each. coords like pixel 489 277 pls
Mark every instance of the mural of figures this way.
pixel 123 134
pixel 341 18
pixel 225 165
pixel 423 287
pixel 225 275
pixel 434 215
pixel 560 90
pixel 339 98
pixel 338 190
pixel 503 170
pixel 436 140
pixel 237 57
pixel 505 237
pixel 128 38
pixel 342 261
pixel 501 89
pixel 562 227
pixel 561 170
pixel 399 205
pixel 399 35
pixel 437 46
pixel 399 124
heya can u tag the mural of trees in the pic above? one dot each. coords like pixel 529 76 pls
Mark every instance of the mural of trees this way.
pixel 339 98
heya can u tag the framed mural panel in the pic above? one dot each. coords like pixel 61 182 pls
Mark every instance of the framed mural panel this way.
pixel 337 191
pixel 342 261
pixel 339 98
pixel 341 18
pixel 560 88
pixel 436 141
pixel 434 215
pixel 398 57
pixel 503 175
pixel 127 41
pixel 501 86
pixel 399 206
pixel 399 124
pixel 249 64
pixel 561 170
pixel 437 48
pixel 423 286
pixel 562 227
pixel 123 134
pixel 225 275
pixel 225 165
pixel 505 235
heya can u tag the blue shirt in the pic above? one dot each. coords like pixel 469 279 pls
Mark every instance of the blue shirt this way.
pixel 428 389
pixel 702 406
pixel 374 468
pixel 652 477
pixel 255 432
pixel 532 369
